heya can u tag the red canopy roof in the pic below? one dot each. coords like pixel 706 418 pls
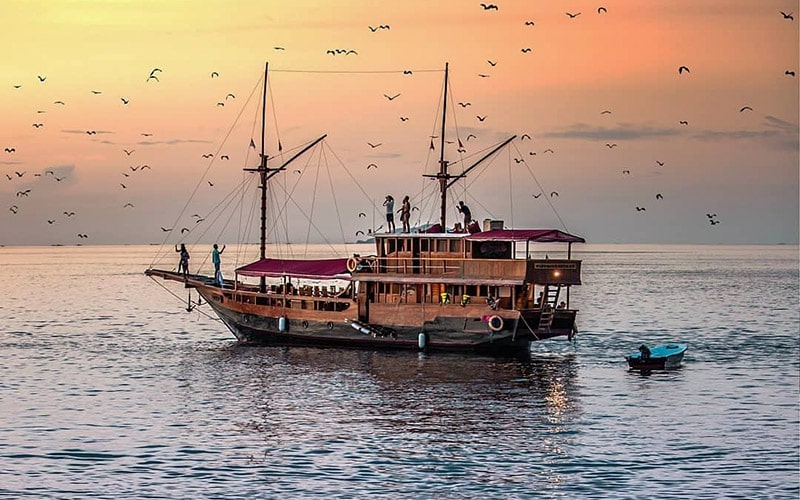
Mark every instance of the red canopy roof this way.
pixel 536 235
pixel 311 269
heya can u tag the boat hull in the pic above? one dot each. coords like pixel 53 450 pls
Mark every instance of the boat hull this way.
pixel 291 327
pixel 662 357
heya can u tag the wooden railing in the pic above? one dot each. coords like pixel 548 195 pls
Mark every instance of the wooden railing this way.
pixel 565 272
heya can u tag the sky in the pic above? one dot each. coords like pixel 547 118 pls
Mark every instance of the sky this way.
pixel 612 143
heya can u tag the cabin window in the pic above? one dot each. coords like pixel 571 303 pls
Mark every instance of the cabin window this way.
pixel 424 244
pixel 391 246
pixel 441 246
pixel 455 246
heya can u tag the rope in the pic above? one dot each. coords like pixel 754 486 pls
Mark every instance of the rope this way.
pixel 181 300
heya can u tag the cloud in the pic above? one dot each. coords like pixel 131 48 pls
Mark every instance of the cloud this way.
pixel 780 133
pixel 623 131
pixel 172 142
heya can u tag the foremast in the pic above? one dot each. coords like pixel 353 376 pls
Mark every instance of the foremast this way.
pixel 265 173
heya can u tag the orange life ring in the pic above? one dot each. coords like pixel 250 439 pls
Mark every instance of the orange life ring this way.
pixel 352 263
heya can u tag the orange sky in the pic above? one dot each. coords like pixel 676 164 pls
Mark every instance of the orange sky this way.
pixel 743 166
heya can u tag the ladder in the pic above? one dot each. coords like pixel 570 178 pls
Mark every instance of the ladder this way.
pixel 548 307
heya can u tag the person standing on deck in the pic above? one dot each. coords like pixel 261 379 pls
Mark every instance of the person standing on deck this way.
pixel 183 265
pixel 405 214
pixel 389 204
pixel 467 214
pixel 215 253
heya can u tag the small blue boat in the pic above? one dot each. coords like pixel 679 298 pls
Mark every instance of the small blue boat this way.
pixel 660 357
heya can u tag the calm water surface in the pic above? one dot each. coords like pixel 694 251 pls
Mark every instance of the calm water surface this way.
pixel 109 388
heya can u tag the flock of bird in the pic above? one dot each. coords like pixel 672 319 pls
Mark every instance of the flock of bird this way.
pixel 153 78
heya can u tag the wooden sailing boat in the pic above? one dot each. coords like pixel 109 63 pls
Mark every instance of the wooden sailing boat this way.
pixel 434 290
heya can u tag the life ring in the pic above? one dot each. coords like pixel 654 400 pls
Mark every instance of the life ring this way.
pixel 352 263
pixel 495 323
pixel 304 324
pixel 330 325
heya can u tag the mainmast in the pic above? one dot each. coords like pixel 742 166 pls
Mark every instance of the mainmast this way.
pixel 443 175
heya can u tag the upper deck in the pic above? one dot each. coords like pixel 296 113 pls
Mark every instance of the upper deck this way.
pixel 492 257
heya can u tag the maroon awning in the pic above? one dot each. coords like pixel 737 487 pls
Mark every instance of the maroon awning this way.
pixel 535 235
pixel 310 269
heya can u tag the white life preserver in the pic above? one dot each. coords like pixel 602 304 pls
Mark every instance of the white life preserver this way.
pixel 495 323
pixel 352 263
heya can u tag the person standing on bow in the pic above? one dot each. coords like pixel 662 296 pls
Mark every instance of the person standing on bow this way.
pixel 389 204
pixel 215 259
pixel 183 264
pixel 405 214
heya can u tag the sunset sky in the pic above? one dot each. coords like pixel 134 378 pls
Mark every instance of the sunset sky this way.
pixel 599 93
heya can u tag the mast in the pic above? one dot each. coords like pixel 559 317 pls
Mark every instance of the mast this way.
pixel 263 170
pixel 443 176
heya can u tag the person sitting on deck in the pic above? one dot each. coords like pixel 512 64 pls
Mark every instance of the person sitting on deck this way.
pixel 562 305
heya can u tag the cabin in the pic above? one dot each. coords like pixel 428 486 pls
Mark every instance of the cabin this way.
pixel 493 267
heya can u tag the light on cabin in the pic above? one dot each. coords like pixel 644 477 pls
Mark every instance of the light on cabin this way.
pixel 556 273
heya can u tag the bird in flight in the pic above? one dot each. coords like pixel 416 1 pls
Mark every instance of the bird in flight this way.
pixel 524 136
pixel 403 118
pixel 69 214
pixel 573 16
pixel 640 209
pixel 745 108
pixel 224 157
pixel 208 155
pixel 660 163
pixel 124 101
pixel 611 146
pixel 659 196
pixel 491 63
pixel 129 152
pixel 548 150
pixel 96 92
pixel 490 6
pixel 529 23
pixel 14 208
pixel 210 183
pixel 38 125
pixel 231 96
pixel 483 75
pixel 123 186
pixel 23 193
pixel 789 73
pixel 373 146
pixel 605 112
pixel 20 174
pixel 371 165
pixel 144 134
pixel 682 69
pixel 127 205
pixel 626 172
pixel 480 118
pixel 788 16
pixel 184 230
pixel 537 195
pixel 59 102
pixel 90 132
pixel 601 10
pixel 525 50
pixel 684 122
pixel 214 74
pixel 153 73
pixel 43 78
pixel 464 104
pixel 361 214
pixel 391 98
pixel 166 230
pixel 554 193
pixel 471 136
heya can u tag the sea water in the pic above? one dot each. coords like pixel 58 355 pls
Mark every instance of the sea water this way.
pixel 109 388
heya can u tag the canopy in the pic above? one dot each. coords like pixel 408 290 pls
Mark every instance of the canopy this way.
pixel 535 235
pixel 310 269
